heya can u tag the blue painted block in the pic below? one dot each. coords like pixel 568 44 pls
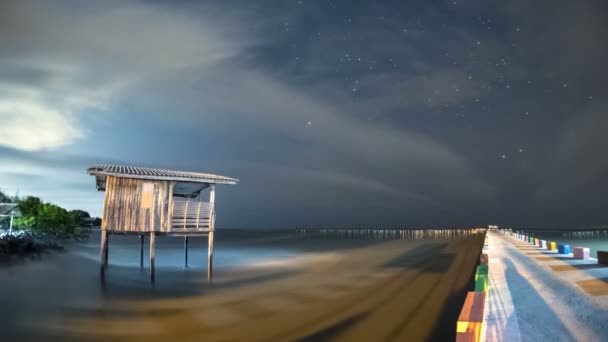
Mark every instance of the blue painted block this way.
pixel 563 249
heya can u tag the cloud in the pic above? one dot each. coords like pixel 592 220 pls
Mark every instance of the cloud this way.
pixel 61 64
pixel 67 67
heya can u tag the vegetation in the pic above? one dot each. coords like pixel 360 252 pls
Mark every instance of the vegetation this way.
pixel 47 219
pixel 23 244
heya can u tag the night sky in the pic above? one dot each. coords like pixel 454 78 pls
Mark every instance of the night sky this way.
pixel 331 113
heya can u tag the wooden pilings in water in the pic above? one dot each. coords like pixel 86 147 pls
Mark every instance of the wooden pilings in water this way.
pixel 152 235
pixel 210 258
pixel 141 252
pixel 391 234
pixel 186 251
pixel 103 253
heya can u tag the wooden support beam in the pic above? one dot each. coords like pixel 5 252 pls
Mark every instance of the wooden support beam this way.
pixel 107 254
pixel 141 251
pixel 152 256
pixel 102 253
pixel 186 251
pixel 212 228
pixel 210 258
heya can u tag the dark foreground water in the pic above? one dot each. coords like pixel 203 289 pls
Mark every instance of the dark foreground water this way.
pixel 35 293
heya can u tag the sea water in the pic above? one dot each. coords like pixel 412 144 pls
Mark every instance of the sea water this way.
pixel 595 240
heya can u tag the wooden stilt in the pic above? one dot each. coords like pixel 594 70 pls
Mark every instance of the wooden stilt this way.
pixel 152 256
pixel 210 258
pixel 103 251
pixel 141 251
pixel 185 251
pixel 107 254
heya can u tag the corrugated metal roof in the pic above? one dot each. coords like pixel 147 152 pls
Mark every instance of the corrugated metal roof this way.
pixel 158 174
pixel 7 208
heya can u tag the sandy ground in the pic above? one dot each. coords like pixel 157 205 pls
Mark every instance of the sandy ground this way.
pixel 400 290
pixel 538 295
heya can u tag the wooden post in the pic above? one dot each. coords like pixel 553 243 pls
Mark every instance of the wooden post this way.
pixel 141 251
pixel 103 251
pixel 107 248
pixel 211 230
pixel 210 258
pixel 152 256
pixel 186 251
pixel 10 226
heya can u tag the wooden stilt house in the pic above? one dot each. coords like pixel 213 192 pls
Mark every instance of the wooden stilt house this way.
pixel 144 201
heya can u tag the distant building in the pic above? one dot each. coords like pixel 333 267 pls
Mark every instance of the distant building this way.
pixel 10 210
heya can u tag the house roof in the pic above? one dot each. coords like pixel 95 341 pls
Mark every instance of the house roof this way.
pixel 102 171
pixel 9 208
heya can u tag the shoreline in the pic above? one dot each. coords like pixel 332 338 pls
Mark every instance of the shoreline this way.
pixel 25 246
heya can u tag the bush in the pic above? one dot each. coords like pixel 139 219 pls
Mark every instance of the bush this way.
pixel 49 219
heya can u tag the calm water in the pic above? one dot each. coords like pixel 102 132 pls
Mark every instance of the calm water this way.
pixel 593 239
pixel 36 290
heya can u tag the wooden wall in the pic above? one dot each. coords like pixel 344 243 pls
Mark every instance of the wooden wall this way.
pixel 123 210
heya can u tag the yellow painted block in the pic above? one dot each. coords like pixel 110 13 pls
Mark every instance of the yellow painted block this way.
pixel 552 246
pixel 469 331
pixel 470 321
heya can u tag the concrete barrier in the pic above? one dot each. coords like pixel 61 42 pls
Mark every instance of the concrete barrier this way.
pixel 552 246
pixel 581 253
pixel 470 321
pixel 481 282
pixel 483 259
pixel 563 249
pixel 602 257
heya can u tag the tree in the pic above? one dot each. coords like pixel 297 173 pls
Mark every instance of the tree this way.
pixel 55 220
pixel 97 222
pixel 5 198
pixel 77 217
pixel 30 206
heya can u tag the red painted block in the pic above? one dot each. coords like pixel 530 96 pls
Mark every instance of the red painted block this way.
pixel 470 321
pixel 483 259
pixel 581 253
pixel 602 257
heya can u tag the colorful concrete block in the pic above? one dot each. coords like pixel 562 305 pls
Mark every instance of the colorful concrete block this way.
pixel 552 246
pixel 481 283
pixel 482 269
pixel 543 244
pixel 581 253
pixel 470 321
pixel 466 336
pixel 563 249
pixel 483 259
pixel 602 257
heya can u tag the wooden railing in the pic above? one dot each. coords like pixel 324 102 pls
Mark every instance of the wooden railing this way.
pixel 193 215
